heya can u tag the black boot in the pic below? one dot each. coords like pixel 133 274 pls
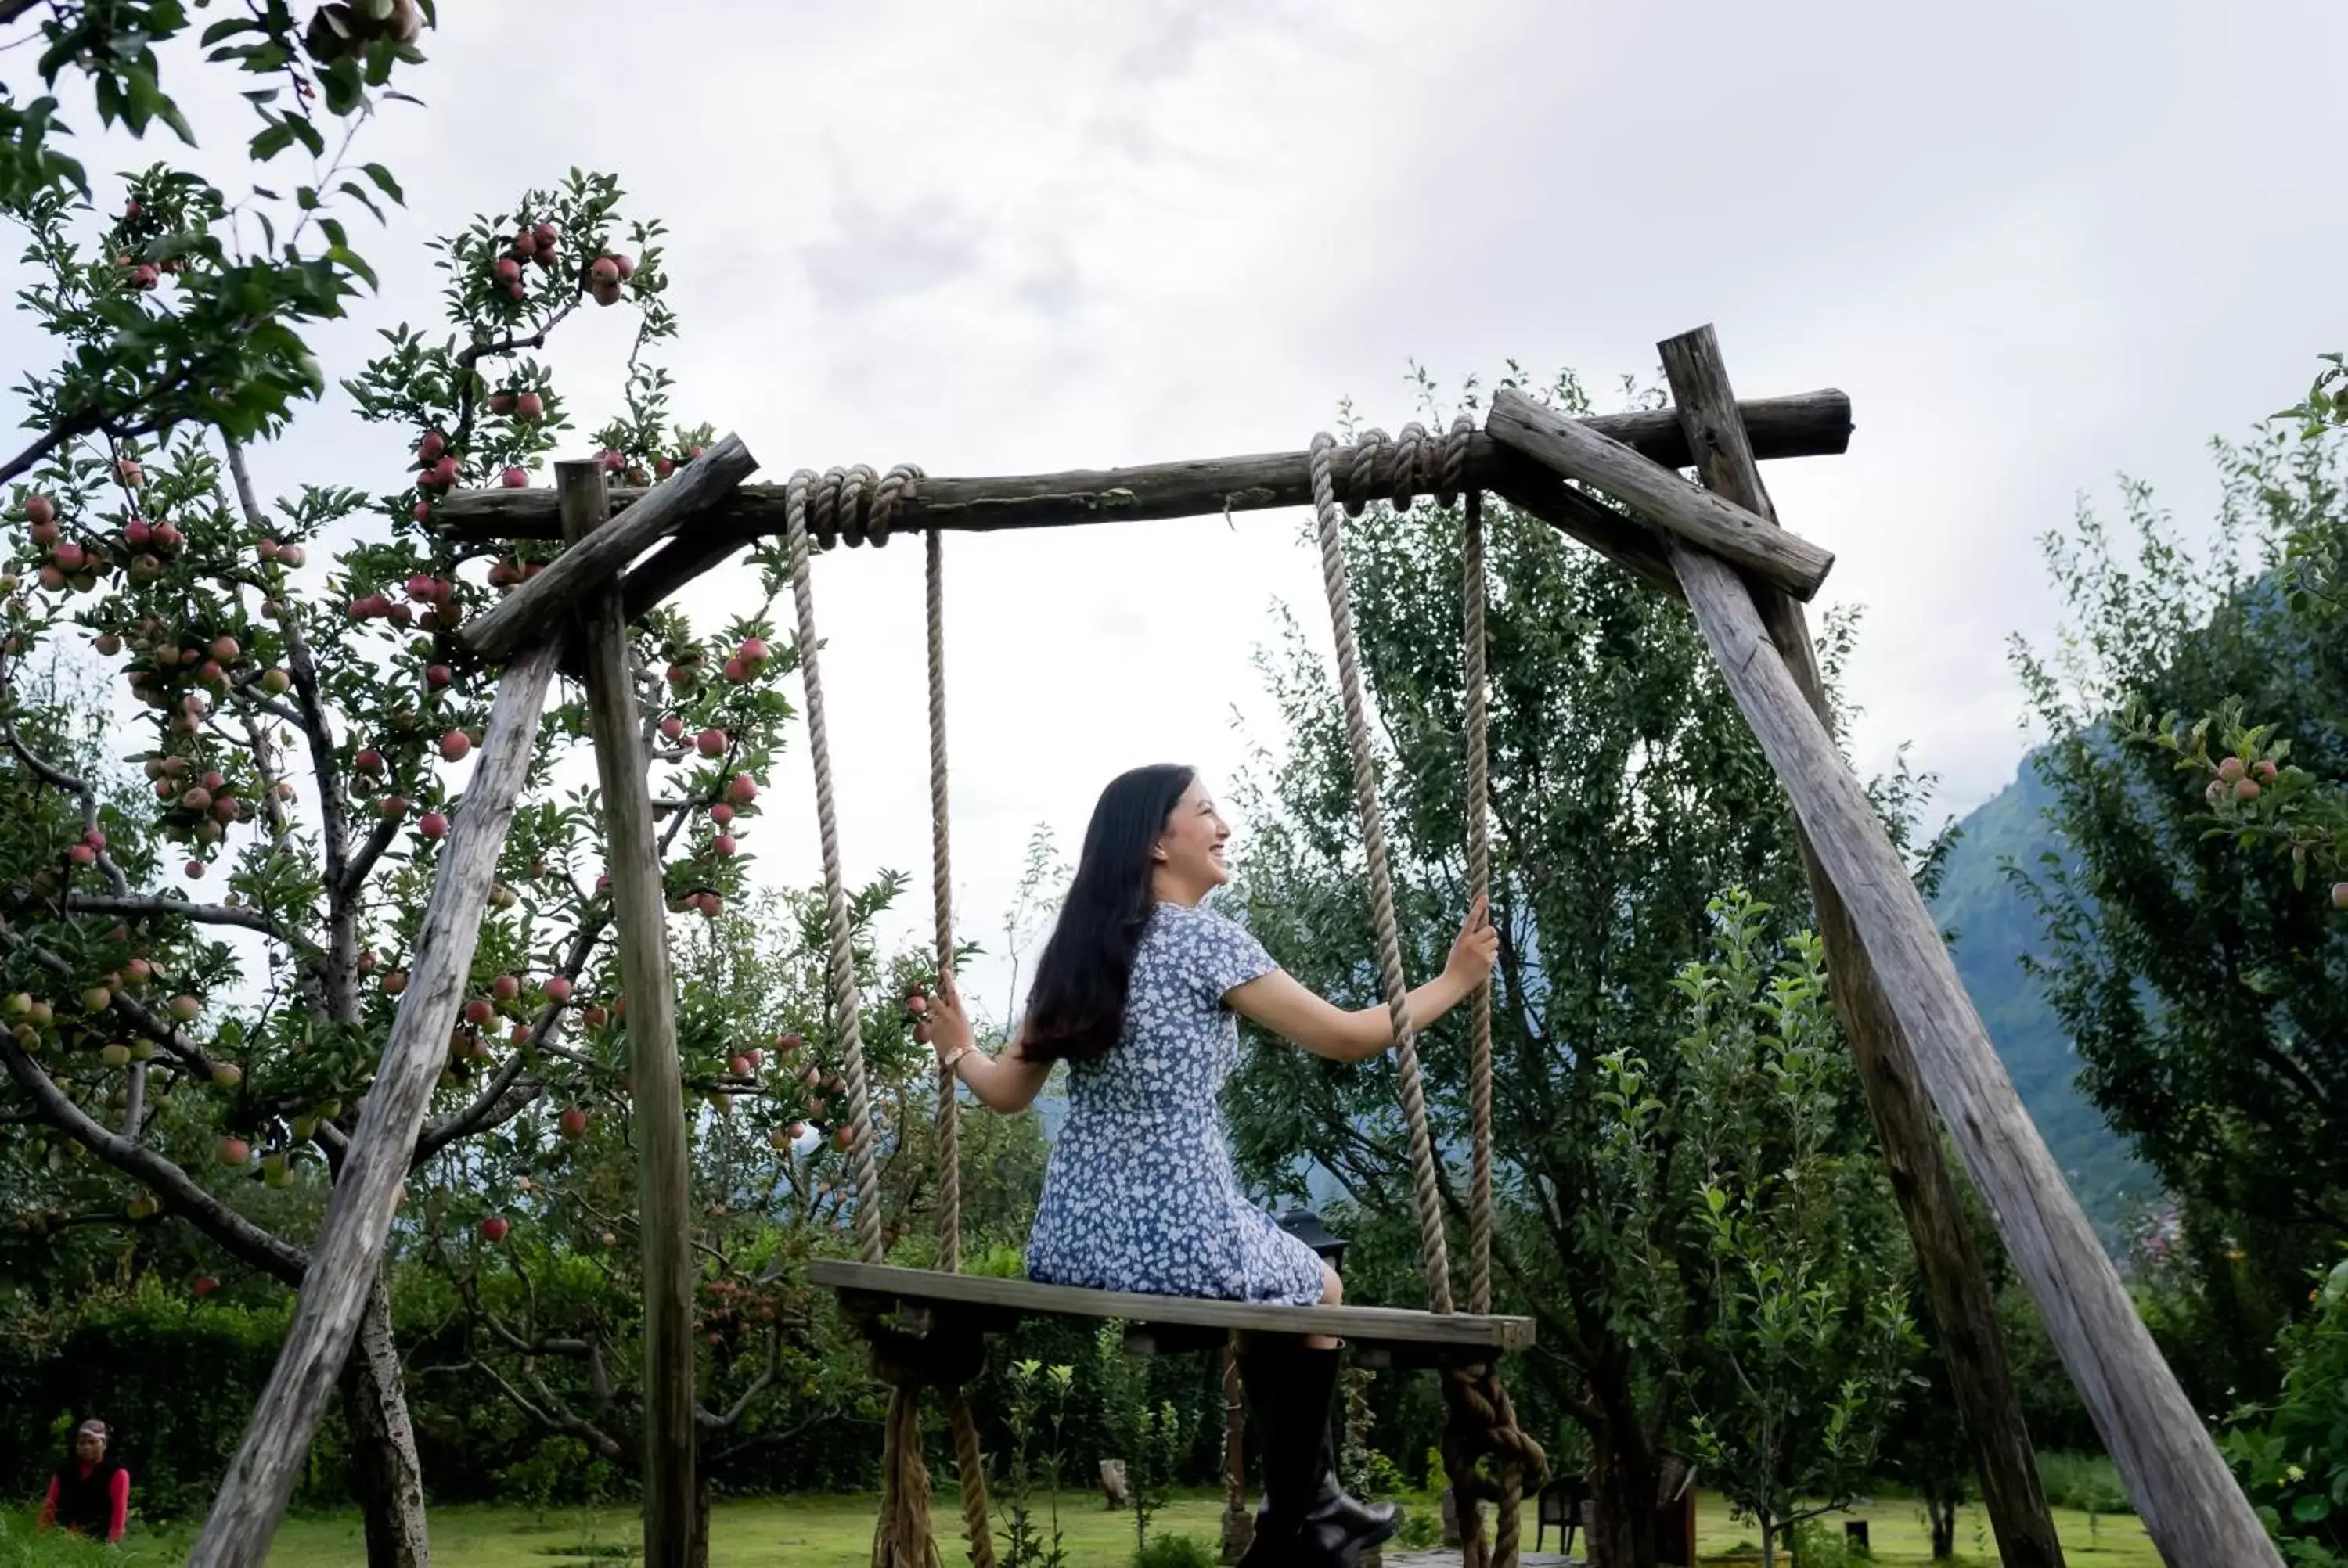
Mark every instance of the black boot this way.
pixel 1307 1520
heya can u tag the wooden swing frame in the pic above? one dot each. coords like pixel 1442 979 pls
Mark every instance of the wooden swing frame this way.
pixel 1921 1045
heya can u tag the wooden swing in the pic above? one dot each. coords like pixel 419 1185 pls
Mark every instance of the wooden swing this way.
pixel 1920 1045
pixel 926 1326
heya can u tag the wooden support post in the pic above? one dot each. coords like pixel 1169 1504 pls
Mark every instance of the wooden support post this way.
pixel 640 922
pixel 1239 1524
pixel 1955 1283
pixel 343 1267
pixel 548 599
pixel 1711 523
pixel 2195 1513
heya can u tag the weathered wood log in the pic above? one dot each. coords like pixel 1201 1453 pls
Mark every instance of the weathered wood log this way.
pixel 1660 496
pixel 342 1272
pixel 1538 491
pixel 2195 1513
pixel 1956 1285
pixel 1806 425
pixel 640 930
pixel 550 597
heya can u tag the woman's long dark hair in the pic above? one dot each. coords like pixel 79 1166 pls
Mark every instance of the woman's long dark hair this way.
pixel 1076 1006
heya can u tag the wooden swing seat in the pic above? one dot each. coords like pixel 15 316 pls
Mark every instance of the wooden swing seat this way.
pixel 928 1302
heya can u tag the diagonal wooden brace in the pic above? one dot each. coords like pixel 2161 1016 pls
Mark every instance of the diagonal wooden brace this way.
pixel 276 1443
pixel 554 595
pixel 1662 499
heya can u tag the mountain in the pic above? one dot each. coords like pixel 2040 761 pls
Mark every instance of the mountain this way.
pixel 1994 929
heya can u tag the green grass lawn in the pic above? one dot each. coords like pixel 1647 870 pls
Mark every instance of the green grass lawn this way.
pixel 836 1532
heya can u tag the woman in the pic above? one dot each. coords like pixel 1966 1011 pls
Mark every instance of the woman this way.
pixel 90 1492
pixel 1140 991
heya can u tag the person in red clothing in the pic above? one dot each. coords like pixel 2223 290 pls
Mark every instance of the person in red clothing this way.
pixel 90 1492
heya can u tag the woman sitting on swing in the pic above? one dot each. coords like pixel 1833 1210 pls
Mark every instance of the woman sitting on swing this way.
pixel 1139 990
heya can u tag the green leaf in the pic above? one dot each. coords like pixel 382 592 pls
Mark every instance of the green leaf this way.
pixel 383 181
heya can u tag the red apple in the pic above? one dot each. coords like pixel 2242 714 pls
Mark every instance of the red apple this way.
pixel 234 1151
pixel 557 989
pixel 479 1011
pixel 710 743
pixel 515 478
pixel 395 982
pixel 605 270
pixel 753 650
pixel 40 509
pixel 505 988
pixel 369 760
pixel 742 790
pixel 429 449
pixel 672 727
pixel 494 1228
pixel 432 825
pixel 529 405
pixel 739 1067
pixel 722 843
pixel 573 1122
pixel 454 745
pixel 2246 790
pixel 203 1286
pixel 508 270
pixel 735 670
pixel 437 675
pixel 2230 768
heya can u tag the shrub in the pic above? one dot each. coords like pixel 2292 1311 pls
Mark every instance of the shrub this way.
pixel 2088 1483
pixel 1177 1551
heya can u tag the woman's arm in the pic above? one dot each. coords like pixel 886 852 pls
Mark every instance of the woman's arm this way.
pixel 1287 1008
pixel 118 1494
pixel 1008 1082
pixel 49 1505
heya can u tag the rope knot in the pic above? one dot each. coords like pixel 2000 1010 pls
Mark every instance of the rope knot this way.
pixel 858 505
pixel 1400 468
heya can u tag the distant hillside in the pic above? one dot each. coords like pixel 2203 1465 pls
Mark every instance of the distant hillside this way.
pixel 1995 927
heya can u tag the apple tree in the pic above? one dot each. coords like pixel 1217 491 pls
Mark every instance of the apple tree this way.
pixel 198 976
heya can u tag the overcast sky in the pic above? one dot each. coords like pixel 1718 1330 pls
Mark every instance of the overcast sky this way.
pixel 2037 244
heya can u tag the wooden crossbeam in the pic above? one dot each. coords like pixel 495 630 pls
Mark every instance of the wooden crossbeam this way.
pixel 1811 424
pixel 553 595
pixel 997 1301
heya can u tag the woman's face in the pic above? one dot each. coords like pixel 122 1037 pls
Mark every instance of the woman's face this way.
pixel 1191 850
pixel 89 1446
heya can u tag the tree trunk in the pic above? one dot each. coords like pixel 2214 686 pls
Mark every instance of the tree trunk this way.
pixel 1622 1531
pixel 1942 1512
pixel 696 1546
pixel 389 1479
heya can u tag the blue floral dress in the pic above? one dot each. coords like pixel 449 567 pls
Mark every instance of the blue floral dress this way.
pixel 1140 1194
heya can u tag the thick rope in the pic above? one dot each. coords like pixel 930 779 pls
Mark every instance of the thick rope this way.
pixel 903 1539
pixel 1482 1421
pixel 1374 842
pixel 941 901
pixel 835 893
pixel 971 1462
pixel 1479 879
